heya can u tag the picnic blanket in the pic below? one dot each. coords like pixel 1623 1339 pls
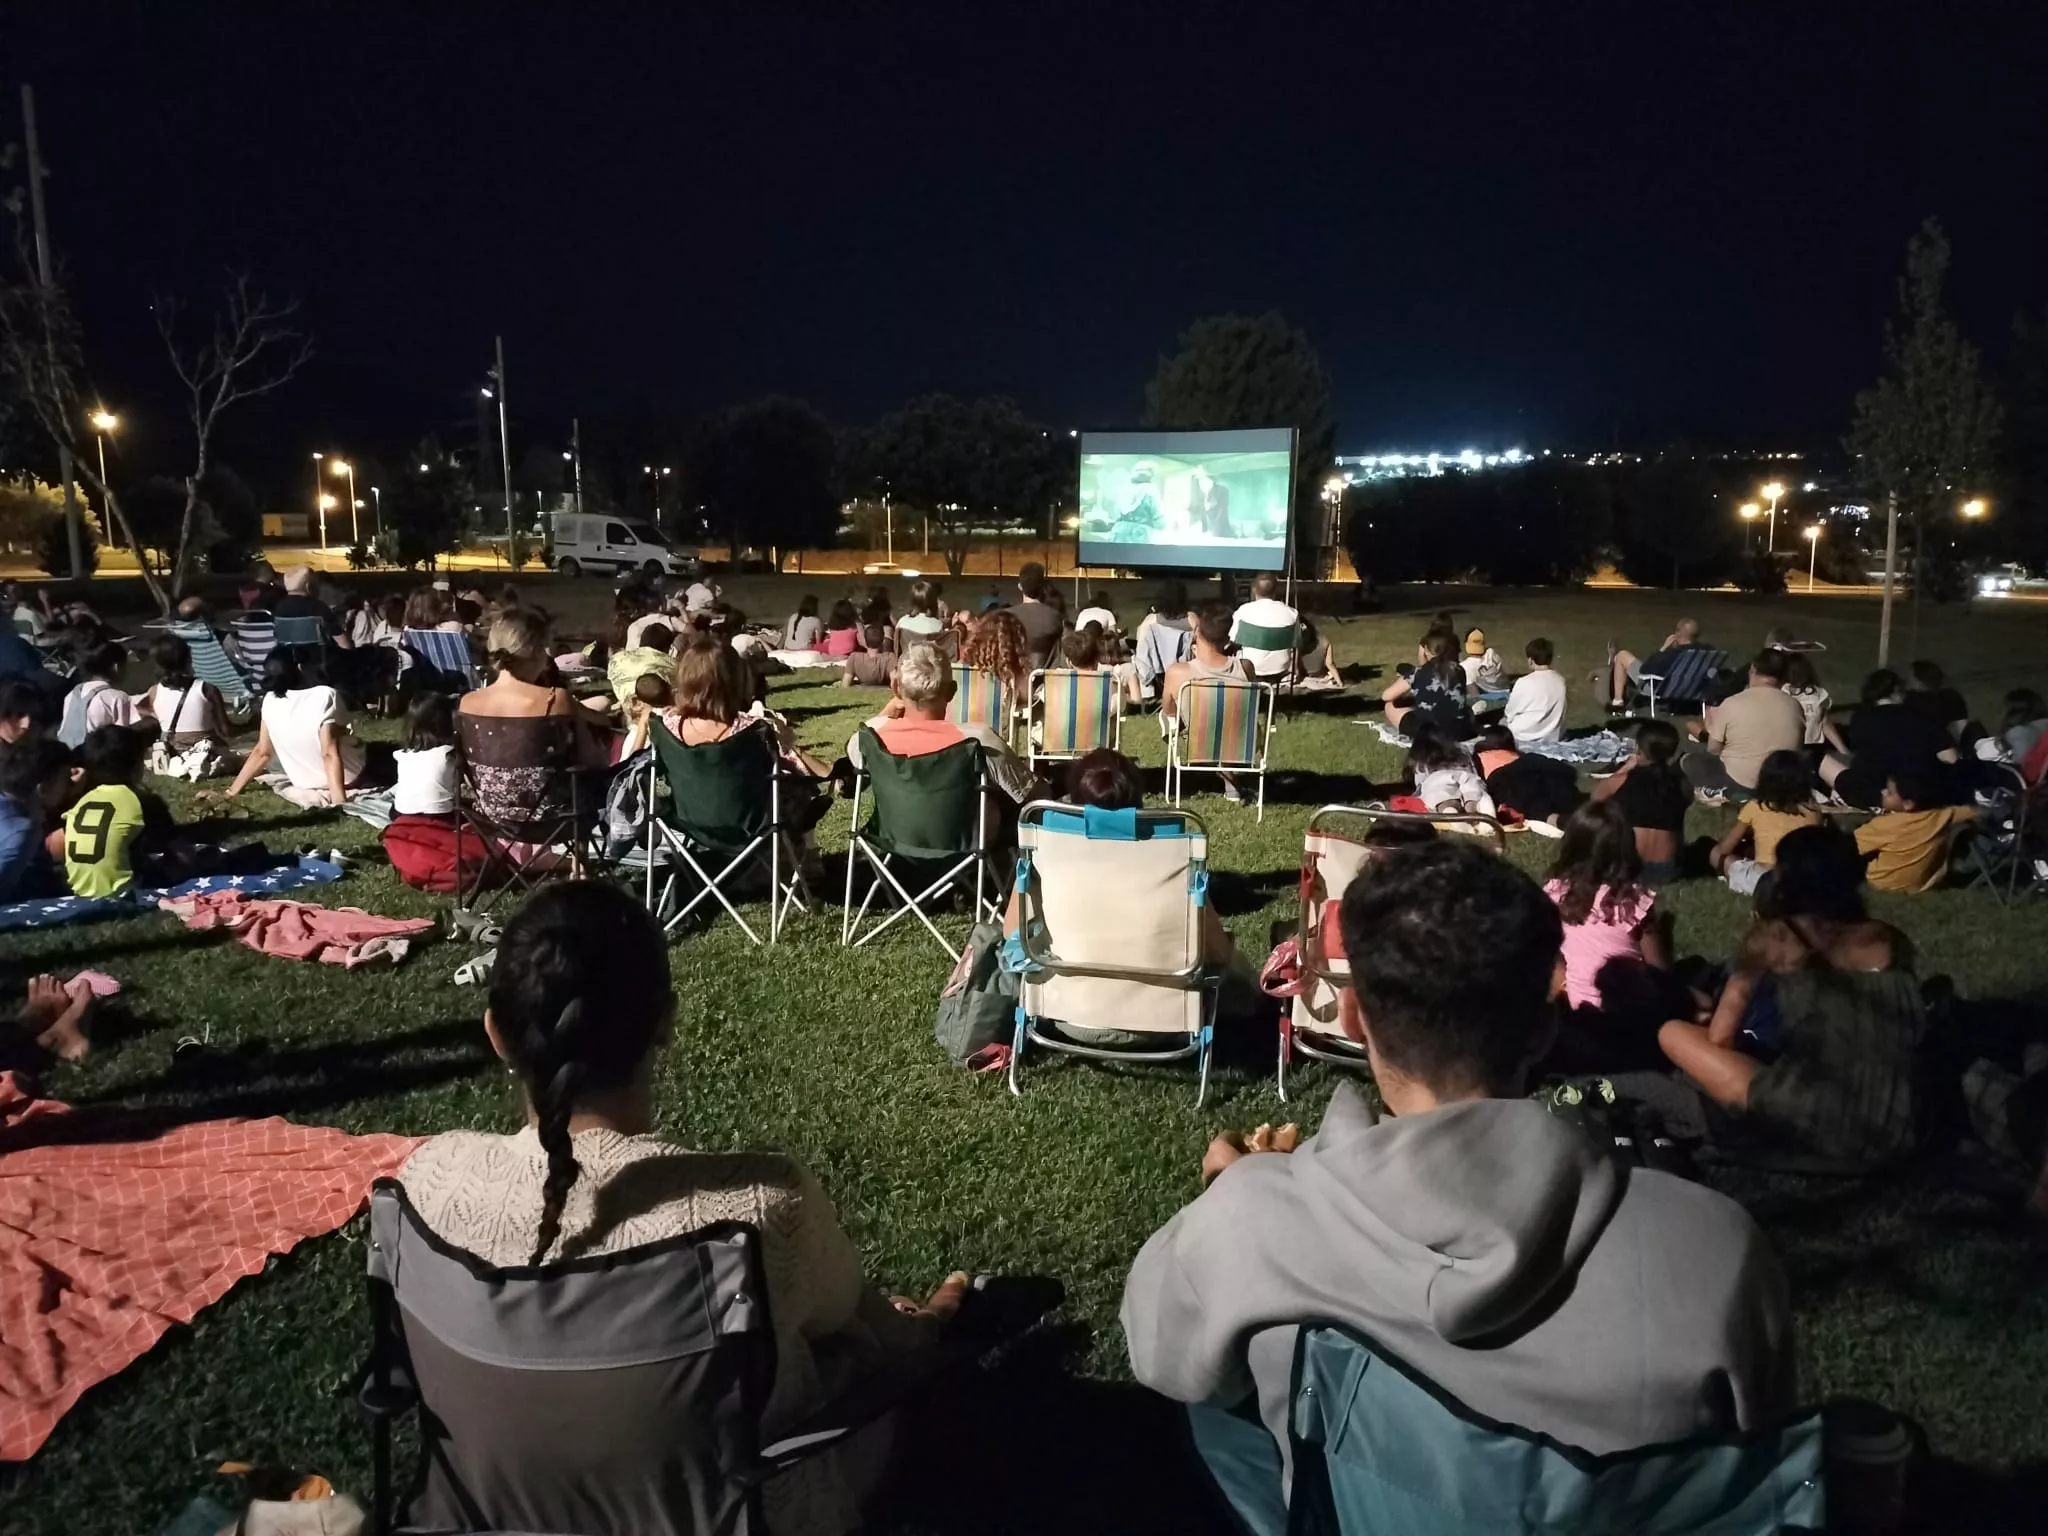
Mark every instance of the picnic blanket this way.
pixel 300 930
pixel 104 1243
pixel 800 660
pixel 1602 749
pixel 51 911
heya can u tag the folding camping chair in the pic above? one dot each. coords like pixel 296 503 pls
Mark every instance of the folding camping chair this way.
pixel 1072 713
pixel 447 653
pixel 255 639
pixel 929 813
pixel 1334 851
pixel 211 663
pixel 720 802
pixel 1110 924
pixel 1999 852
pixel 979 698
pixel 1691 674
pixel 293 635
pixel 618 1392
pixel 1221 725
pixel 523 800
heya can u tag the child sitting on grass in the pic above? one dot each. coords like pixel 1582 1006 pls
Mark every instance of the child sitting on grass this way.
pixel 1445 780
pixel 36 788
pixel 1651 790
pixel 97 700
pixel 114 824
pixel 1783 803
pixel 429 765
pixel 1616 953
pixel 1908 844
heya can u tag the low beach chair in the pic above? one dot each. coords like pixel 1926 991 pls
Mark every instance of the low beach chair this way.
pixel 979 698
pixel 1072 713
pixel 1222 725
pixel 211 663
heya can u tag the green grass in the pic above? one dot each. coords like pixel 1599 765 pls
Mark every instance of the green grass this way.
pixel 1916 1294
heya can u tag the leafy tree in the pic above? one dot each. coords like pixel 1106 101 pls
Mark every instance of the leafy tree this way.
pixel 765 473
pixel 53 544
pixel 154 510
pixel 26 504
pixel 962 463
pixel 1927 430
pixel 425 512
pixel 1251 371
pixel 235 521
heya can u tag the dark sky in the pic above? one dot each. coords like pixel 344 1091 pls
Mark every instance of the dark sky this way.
pixel 1529 224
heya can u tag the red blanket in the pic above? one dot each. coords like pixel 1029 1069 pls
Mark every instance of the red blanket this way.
pixel 301 930
pixel 104 1244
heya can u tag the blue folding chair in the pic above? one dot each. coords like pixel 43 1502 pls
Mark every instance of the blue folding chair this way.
pixel 1692 673
pixel 446 653
pixel 298 636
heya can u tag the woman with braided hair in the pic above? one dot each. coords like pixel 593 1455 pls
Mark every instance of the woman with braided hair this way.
pixel 580 1003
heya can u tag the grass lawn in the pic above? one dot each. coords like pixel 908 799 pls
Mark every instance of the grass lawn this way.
pixel 1919 1295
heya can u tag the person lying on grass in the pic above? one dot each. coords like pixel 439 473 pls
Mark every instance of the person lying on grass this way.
pixel 1483 1241
pixel 580 1006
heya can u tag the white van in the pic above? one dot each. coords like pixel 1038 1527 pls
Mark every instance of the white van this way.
pixel 599 544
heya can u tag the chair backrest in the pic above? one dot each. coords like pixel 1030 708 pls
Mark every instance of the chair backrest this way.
pixel 1112 916
pixel 212 664
pixel 521 772
pixel 1223 722
pixel 1267 637
pixel 1377 1448
pixel 979 698
pixel 946 641
pixel 1074 712
pixel 1691 672
pixel 619 1393
pixel 255 639
pixel 446 652
pixel 722 793
pixel 296 631
pixel 926 807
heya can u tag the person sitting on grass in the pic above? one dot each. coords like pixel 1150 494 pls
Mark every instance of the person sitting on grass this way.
pixel 580 1007
pixel 1908 843
pixel 188 712
pixel 1542 790
pixel 1436 690
pixel 2024 724
pixel 25 707
pixel 1482 664
pixel 97 699
pixel 1929 696
pixel 304 730
pixel 1099 613
pixel 1316 660
pixel 925 618
pixel 1802 686
pixel 429 766
pixel 1885 737
pixel 1485 1243
pixel 1655 797
pixel 1628 669
pixel 842 630
pixel 1783 803
pixel 1535 707
pixel 1613 932
pixel 1445 780
pixel 1744 729
pixel 803 630
pixel 37 787
pixel 114 825
pixel 915 723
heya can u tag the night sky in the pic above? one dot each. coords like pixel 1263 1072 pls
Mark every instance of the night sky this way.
pixel 1543 224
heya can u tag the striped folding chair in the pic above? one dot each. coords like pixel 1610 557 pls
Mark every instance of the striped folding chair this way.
pixel 255 639
pixel 1072 713
pixel 447 653
pixel 1692 674
pixel 1109 937
pixel 979 698
pixel 1335 850
pixel 1222 725
pixel 211 663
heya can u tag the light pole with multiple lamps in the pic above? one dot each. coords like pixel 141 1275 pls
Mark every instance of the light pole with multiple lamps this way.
pixel 1772 492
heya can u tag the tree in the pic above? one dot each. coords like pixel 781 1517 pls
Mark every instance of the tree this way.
pixel 153 511
pixel 234 520
pixel 425 511
pixel 26 505
pixel 1927 430
pixel 2023 502
pixel 1236 371
pixel 961 463
pixel 765 473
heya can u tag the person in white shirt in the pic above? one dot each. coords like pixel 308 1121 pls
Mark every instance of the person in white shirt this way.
pixel 1098 612
pixel 1482 664
pixel 1264 629
pixel 429 770
pixel 98 699
pixel 1535 707
pixel 699 596
pixel 304 731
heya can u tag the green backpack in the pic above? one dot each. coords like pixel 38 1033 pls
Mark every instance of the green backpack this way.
pixel 978 1007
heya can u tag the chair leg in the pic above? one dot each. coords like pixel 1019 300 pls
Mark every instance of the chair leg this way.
pixel 1202 1082
pixel 1017 1040
pixel 1286 1039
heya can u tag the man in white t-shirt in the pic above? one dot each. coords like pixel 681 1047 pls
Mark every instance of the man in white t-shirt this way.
pixel 699 596
pixel 1266 629
pixel 1535 707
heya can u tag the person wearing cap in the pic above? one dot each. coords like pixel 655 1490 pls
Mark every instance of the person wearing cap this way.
pixel 1482 664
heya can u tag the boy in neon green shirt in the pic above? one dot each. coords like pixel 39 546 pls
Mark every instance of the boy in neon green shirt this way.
pixel 102 828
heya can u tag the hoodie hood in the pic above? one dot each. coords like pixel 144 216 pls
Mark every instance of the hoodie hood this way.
pixel 1470 1216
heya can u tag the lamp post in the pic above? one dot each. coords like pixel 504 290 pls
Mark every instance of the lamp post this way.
pixel 1813 559
pixel 103 422
pixel 575 456
pixel 321 501
pixel 377 499
pixel 355 523
pixel 1750 513
pixel 1773 491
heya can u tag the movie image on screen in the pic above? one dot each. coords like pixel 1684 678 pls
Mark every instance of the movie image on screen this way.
pixel 1209 500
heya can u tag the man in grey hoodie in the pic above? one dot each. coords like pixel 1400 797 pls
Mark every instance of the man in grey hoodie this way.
pixel 1469 1232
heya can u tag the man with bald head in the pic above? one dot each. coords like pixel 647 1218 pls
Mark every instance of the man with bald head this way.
pixel 1631 669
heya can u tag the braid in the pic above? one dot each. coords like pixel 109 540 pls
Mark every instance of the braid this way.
pixel 556 1081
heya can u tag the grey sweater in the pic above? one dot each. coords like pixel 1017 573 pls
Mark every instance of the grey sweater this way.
pixel 1493 1248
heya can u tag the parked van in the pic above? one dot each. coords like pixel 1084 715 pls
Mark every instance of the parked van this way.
pixel 599 544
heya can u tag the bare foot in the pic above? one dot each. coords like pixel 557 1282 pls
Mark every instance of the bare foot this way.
pixel 56 1018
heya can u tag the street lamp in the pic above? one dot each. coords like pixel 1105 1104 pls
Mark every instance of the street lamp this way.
pixel 1750 513
pixel 1975 507
pixel 377 496
pixel 321 501
pixel 1812 560
pixel 1773 491
pixel 344 467
pixel 103 422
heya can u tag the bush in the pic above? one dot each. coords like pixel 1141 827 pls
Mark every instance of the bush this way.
pixel 53 549
pixel 359 557
pixel 225 556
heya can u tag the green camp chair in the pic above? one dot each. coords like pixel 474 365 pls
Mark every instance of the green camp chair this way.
pixel 929 816
pixel 1072 714
pixel 1222 725
pixel 720 804
pixel 1378 1449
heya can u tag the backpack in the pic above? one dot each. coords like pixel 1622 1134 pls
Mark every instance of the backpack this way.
pixel 978 1007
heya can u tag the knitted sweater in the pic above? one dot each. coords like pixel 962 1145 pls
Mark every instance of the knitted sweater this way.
pixel 482 1193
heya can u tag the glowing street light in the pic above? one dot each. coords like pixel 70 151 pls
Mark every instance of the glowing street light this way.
pixel 1772 492
pixel 321 501
pixel 1813 560
pixel 355 523
pixel 1750 513
pixel 1975 507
